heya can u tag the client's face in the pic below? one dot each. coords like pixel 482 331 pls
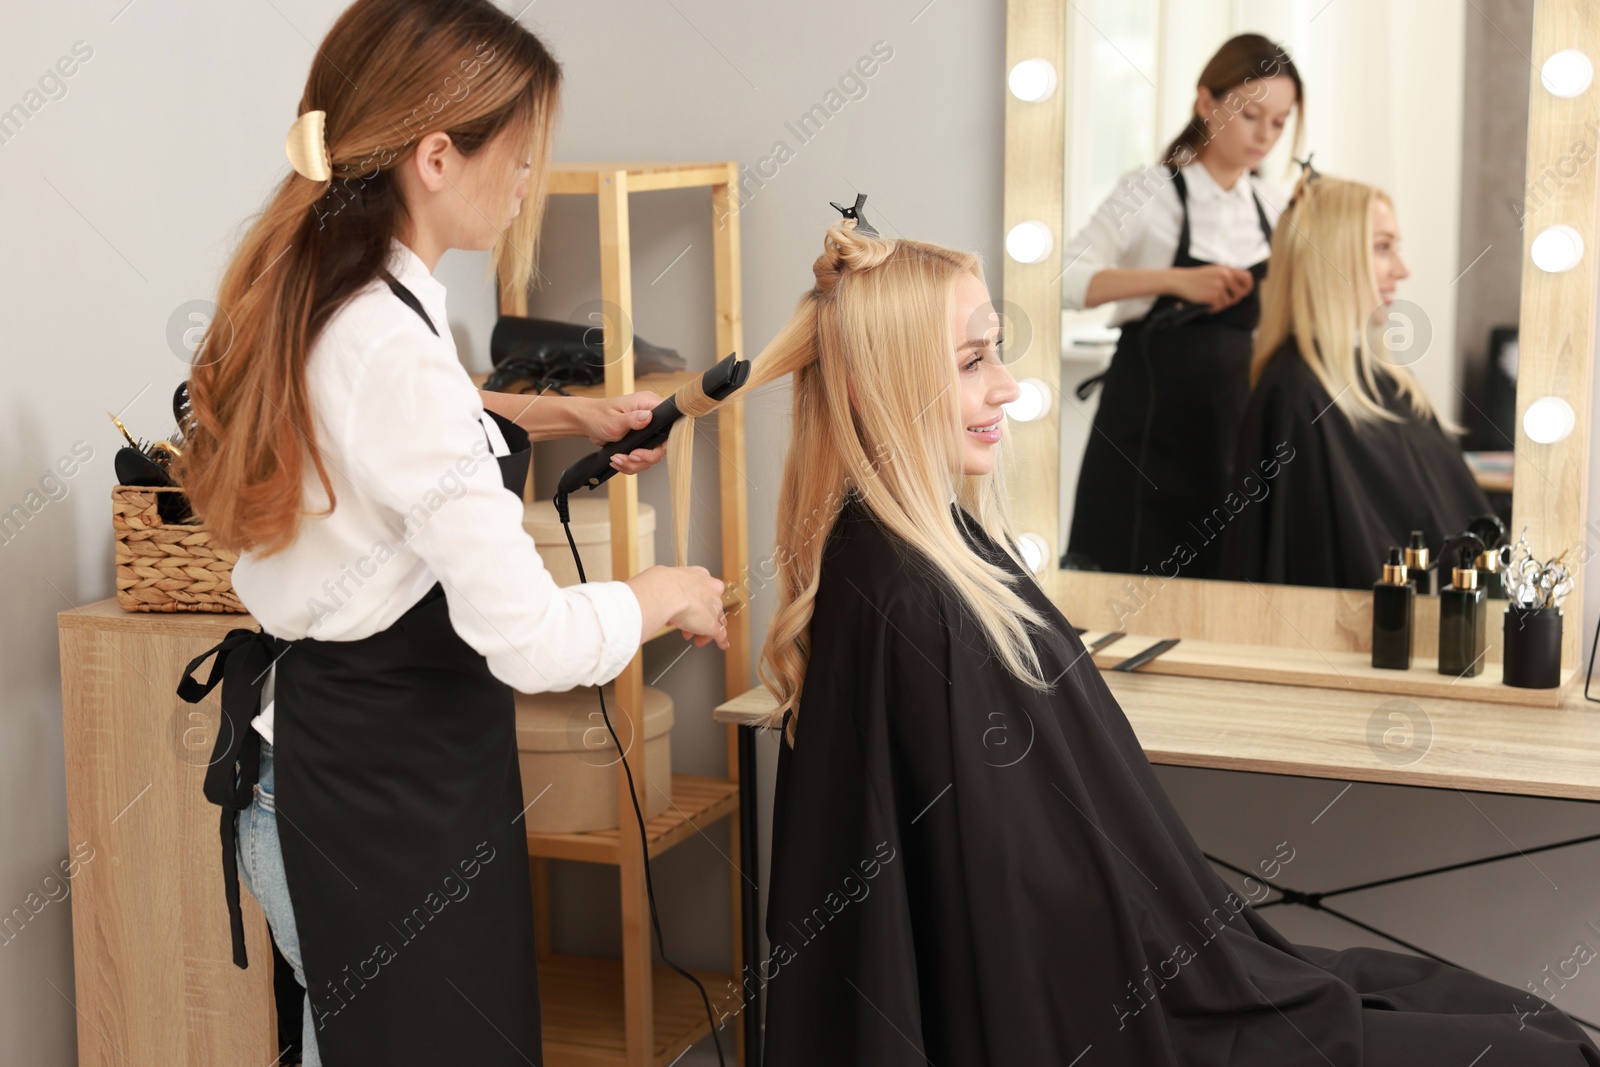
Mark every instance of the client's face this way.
pixel 1387 267
pixel 985 382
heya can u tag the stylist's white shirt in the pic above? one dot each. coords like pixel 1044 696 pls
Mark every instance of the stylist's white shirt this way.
pixel 1137 228
pixel 410 453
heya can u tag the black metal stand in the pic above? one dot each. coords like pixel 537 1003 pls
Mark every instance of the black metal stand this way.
pixel 1316 901
pixel 750 896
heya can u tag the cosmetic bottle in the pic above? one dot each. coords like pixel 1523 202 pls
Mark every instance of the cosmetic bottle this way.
pixel 1463 616
pixel 1392 601
pixel 1418 561
pixel 1489 574
pixel 1491 535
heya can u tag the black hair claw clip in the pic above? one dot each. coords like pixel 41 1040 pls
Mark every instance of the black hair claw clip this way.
pixel 854 212
pixel 1311 174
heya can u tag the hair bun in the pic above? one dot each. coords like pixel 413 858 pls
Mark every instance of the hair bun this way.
pixel 844 249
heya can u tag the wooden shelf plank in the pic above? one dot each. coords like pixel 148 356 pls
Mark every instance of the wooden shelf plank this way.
pixel 567 179
pixel 697 802
pixel 750 708
pixel 580 999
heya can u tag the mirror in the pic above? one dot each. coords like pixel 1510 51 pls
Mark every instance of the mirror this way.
pixel 1428 103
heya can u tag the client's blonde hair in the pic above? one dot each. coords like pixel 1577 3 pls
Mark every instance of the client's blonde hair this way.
pixel 878 318
pixel 1320 288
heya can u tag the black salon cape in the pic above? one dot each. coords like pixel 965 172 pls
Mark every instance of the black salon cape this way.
pixel 1340 495
pixel 966 872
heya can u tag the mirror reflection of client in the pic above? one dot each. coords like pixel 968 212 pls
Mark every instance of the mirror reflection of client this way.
pixel 973 862
pixel 1349 451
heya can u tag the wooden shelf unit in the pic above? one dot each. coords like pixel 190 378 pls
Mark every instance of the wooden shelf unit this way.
pixel 637 1013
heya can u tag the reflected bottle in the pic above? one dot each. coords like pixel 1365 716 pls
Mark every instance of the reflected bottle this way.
pixel 1489 579
pixel 1418 560
pixel 1393 599
pixel 1463 619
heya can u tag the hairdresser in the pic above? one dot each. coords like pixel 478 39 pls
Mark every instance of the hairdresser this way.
pixel 1181 249
pixel 338 445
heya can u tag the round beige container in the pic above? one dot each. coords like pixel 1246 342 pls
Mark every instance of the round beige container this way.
pixel 569 765
pixel 591 529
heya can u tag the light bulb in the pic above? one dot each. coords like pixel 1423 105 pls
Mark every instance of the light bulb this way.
pixel 1034 551
pixel 1032 403
pixel 1029 242
pixel 1548 420
pixel 1032 80
pixel 1567 73
pixel 1557 248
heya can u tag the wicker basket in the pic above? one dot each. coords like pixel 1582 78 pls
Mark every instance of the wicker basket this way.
pixel 162 567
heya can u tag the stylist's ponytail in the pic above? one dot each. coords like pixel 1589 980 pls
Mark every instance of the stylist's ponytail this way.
pixel 388 72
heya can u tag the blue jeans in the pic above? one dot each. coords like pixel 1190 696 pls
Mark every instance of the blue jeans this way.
pixel 261 871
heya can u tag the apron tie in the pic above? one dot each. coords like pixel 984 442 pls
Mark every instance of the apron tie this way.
pixel 243 659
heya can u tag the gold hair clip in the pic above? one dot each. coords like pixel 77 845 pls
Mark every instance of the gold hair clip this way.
pixel 307 147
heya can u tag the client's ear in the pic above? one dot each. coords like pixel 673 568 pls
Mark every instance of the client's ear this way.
pixel 851 386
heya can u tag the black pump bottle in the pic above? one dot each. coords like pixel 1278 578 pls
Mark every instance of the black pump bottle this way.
pixel 1463 615
pixel 1392 601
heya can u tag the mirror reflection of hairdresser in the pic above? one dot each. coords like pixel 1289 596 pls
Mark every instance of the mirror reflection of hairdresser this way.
pixel 339 444
pixel 1369 459
pixel 1182 249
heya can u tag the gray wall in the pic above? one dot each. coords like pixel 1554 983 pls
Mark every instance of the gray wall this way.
pixel 124 193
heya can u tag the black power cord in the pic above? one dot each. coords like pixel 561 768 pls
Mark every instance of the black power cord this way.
pixel 1588 675
pixel 638 814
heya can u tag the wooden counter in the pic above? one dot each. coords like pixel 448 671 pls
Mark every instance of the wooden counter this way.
pixel 1351 735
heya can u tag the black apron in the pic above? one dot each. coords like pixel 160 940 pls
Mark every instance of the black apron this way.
pixel 1158 459
pixel 399 806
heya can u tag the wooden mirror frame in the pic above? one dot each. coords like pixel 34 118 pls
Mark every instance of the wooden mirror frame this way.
pixel 1556 358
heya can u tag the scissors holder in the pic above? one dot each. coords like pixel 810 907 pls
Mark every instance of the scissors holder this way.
pixel 1532 650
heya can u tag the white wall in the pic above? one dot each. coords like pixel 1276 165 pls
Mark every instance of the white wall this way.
pixel 123 196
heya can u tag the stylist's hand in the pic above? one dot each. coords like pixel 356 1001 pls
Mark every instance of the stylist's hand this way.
pixel 609 419
pixel 686 597
pixel 1214 285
